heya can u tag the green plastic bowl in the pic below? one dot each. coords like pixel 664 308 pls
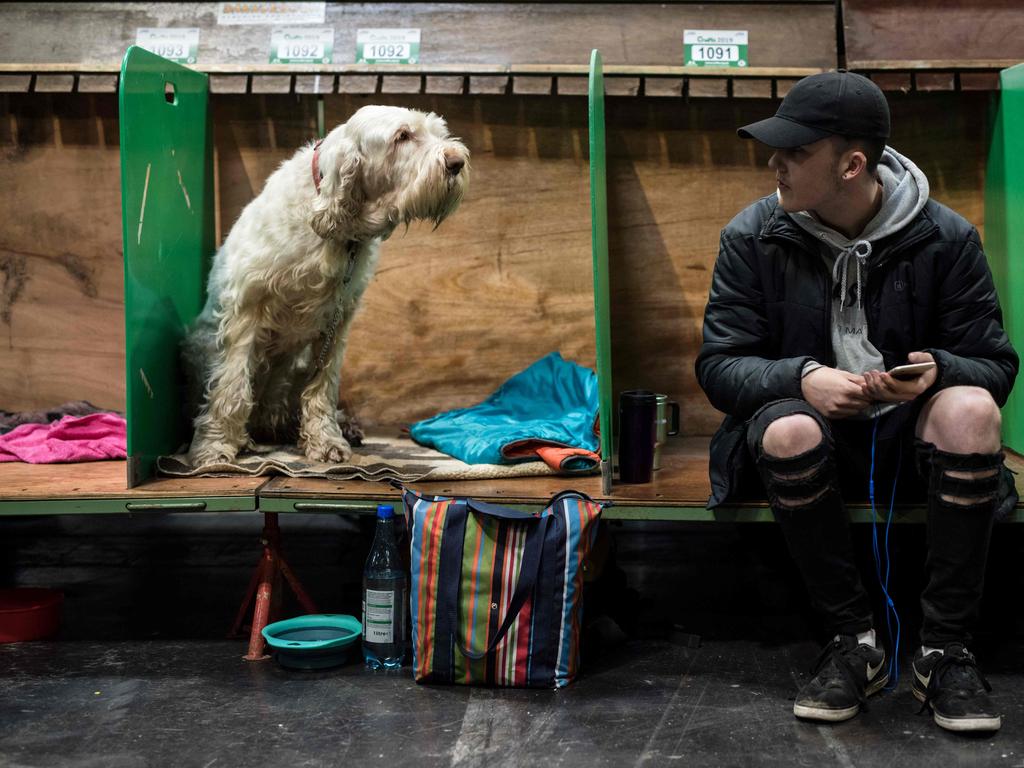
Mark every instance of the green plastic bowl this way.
pixel 315 641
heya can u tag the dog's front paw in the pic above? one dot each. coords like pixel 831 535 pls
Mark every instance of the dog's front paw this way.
pixel 330 450
pixel 204 454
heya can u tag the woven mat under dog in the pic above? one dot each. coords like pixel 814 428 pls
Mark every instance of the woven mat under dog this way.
pixel 380 457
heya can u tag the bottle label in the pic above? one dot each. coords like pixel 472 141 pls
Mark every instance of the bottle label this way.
pixel 379 616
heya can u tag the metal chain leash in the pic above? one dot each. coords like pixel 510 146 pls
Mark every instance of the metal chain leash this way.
pixel 332 329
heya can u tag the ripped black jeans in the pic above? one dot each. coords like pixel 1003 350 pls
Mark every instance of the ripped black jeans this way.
pixel 806 494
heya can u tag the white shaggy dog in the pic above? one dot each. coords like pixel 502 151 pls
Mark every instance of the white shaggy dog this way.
pixel 264 356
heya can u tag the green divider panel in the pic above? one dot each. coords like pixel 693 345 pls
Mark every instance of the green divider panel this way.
pixel 1004 228
pixel 167 216
pixel 599 241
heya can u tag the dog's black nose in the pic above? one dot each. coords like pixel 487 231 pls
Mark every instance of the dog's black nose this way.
pixel 453 163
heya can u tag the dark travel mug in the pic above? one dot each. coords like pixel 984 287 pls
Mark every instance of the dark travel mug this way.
pixel 637 412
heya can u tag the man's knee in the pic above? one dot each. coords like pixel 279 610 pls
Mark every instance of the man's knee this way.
pixel 959 437
pixel 793 459
pixel 962 420
pixel 791 436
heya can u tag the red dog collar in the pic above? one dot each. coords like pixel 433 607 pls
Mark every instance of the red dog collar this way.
pixel 317 176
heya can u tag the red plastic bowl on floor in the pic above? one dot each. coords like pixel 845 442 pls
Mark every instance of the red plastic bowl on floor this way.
pixel 29 613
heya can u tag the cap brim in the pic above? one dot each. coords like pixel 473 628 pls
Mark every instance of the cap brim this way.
pixel 781 133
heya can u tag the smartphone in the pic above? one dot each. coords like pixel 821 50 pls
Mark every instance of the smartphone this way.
pixel 910 370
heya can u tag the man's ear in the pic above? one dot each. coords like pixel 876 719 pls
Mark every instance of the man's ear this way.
pixel 856 164
pixel 341 195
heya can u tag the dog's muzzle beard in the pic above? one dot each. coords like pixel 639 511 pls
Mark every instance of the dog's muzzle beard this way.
pixel 438 192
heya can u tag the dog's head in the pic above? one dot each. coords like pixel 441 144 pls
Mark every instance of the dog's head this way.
pixel 387 166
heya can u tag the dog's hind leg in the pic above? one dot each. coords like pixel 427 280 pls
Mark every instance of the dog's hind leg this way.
pixel 220 427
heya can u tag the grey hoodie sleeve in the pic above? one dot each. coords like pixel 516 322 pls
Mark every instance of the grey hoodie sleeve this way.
pixel 973 348
pixel 730 367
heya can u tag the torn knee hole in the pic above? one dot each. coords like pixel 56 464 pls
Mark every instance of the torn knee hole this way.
pixel 959 475
pixel 802 475
pixel 968 489
pixel 961 501
pixel 803 502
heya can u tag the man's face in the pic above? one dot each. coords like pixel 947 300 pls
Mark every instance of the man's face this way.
pixel 808 177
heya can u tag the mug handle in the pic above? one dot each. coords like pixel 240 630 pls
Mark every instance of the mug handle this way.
pixel 674 425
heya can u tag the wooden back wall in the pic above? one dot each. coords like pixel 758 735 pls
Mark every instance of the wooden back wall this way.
pixel 452 313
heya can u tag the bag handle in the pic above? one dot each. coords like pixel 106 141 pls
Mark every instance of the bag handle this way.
pixel 528 570
pixel 580 494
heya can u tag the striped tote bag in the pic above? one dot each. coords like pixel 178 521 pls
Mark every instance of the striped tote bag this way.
pixel 496 594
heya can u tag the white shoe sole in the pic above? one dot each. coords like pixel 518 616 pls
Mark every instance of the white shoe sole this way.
pixel 838 715
pixel 962 724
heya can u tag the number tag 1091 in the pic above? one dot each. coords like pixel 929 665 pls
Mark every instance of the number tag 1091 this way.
pixel 715 48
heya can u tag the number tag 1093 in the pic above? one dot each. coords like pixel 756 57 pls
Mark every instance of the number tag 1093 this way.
pixel 178 45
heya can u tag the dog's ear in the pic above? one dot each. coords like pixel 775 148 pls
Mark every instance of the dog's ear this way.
pixel 341 196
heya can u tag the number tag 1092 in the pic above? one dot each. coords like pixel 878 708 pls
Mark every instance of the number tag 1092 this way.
pixel 387 46
pixel 291 45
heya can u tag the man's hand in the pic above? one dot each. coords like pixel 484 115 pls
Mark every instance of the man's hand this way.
pixel 882 387
pixel 835 394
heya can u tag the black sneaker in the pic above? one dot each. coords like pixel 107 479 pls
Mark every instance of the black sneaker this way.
pixel 845 674
pixel 953 686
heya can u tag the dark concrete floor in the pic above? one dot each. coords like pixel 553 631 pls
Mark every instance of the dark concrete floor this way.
pixel 139 675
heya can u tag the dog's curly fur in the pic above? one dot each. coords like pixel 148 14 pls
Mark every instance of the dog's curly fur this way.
pixel 295 263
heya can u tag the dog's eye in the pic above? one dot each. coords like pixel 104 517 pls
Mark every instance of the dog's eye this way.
pixel 403 135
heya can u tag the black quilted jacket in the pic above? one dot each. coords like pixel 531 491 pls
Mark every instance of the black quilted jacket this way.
pixel 928 288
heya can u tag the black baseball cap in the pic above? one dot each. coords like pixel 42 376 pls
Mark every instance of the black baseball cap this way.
pixel 828 104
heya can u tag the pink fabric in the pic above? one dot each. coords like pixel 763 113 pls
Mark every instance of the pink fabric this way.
pixel 74 438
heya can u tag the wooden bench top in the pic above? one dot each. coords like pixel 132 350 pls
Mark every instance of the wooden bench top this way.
pixel 101 486
pixel 678 491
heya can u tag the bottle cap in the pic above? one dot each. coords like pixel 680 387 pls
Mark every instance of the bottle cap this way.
pixel 385 511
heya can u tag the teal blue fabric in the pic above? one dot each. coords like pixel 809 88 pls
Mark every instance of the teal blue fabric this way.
pixel 553 400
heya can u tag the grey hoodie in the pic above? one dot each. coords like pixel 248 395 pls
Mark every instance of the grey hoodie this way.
pixel 904 194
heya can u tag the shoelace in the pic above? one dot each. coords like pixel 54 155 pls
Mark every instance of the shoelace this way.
pixel 963 671
pixel 834 652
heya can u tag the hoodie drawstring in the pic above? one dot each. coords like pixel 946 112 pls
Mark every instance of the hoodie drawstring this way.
pixel 860 251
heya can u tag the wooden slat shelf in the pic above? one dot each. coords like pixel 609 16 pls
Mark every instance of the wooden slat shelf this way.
pixel 500 48
pixel 432 69
pixel 518 79
pixel 534 79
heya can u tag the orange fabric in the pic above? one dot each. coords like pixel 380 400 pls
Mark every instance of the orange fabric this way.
pixel 555 456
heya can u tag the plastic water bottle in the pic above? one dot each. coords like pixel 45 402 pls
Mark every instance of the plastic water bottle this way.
pixel 385 593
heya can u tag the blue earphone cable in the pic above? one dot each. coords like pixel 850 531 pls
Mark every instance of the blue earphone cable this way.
pixel 890 608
